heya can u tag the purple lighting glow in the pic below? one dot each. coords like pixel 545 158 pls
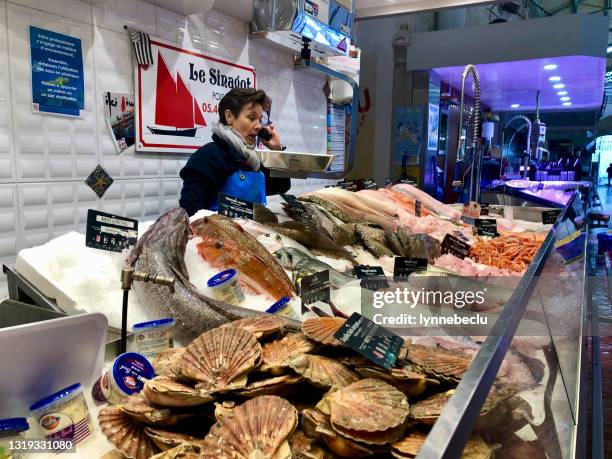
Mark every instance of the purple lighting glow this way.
pixel 550 67
pixel 554 78
pixel 517 82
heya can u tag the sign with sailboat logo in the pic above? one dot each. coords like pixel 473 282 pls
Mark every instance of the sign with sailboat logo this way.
pixel 177 97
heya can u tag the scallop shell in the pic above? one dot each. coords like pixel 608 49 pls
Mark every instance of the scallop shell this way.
pixel 182 451
pixel 340 445
pixel 369 405
pixel 323 371
pixel 224 408
pixel 477 448
pixel 166 362
pixel 125 434
pixel 373 438
pixel 166 391
pixel 322 329
pixel 428 411
pixel 307 448
pixel 260 326
pixel 279 385
pixel 218 358
pixel 311 418
pixel 258 428
pixel 410 383
pixel 445 364
pixel 276 354
pixel 139 407
pixel 166 440
pixel 409 446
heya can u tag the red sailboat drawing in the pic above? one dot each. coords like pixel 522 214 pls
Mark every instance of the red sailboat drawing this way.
pixel 174 105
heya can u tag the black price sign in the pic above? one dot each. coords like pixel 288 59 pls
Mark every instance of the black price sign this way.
pixel 455 246
pixel 372 277
pixel 486 227
pixel 549 217
pixel 234 207
pixel 484 208
pixel 374 342
pixel 417 208
pixel 404 266
pixel 110 232
pixel 315 288
pixel 370 184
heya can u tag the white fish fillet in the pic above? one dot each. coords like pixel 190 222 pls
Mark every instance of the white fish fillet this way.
pixel 432 204
pixel 377 202
pixel 347 198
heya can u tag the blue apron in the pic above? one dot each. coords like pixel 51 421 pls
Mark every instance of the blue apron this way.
pixel 250 186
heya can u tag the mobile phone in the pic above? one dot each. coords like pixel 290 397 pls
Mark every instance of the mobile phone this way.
pixel 264 134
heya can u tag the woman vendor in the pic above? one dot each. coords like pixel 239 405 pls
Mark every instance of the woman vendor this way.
pixel 229 163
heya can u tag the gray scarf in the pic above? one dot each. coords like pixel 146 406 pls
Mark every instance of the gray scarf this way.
pixel 236 141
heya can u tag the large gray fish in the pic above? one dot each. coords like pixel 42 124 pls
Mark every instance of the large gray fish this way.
pixel 161 250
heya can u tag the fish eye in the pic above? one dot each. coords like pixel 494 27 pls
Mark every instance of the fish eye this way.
pixel 218 245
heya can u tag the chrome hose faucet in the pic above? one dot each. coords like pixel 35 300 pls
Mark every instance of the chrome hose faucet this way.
pixel 527 122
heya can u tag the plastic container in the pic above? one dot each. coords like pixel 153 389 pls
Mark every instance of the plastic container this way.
pixel 225 286
pixel 154 336
pixel 11 430
pixel 282 308
pixel 126 376
pixel 64 415
pixel 572 247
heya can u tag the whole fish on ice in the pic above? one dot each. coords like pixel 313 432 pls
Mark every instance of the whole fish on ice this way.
pixel 161 250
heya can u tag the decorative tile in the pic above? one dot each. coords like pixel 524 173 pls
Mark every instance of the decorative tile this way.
pixel 99 181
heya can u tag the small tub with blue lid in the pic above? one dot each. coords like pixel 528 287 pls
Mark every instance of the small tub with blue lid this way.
pixel 154 336
pixel 127 376
pixel 225 286
pixel 11 430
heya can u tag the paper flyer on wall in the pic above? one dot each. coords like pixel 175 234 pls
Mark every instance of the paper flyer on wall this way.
pixel 119 115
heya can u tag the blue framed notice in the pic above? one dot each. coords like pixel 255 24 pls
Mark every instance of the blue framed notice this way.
pixel 57 73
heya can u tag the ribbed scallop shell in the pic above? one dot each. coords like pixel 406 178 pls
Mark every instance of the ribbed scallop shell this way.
pixel 369 405
pixel 428 410
pixel 322 329
pixel 409 446
pixel 259 326
pixel 279 385
pixel 438 362
pixel 166 362
pixel 140 408
pixel 258 428
pixel 182 451
pixel 166 440
pixel 166 391
pixel 373 438
pixel 307 448
pixel 219 357
pixel 125 434
pixel 323 371
pixel 277 353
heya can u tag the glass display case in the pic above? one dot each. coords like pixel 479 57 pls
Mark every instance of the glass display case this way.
pixel 521 396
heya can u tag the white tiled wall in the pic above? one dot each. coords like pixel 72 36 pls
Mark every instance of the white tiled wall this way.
pixel 44 159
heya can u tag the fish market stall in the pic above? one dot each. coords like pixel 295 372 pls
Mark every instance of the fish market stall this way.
pixel 523 192
pixel 427 387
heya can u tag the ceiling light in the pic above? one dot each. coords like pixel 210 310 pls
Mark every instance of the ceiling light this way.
pixel 566 98
pixel 559 86
pixel 567 103
pixel 550 66
pixel 562 93
pixel 609 49
pixel 515 106
pixel 554 78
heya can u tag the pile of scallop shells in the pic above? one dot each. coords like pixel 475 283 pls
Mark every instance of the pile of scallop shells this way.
pixel 248 390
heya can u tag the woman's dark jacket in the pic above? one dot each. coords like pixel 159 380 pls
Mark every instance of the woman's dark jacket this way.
pixel 208 169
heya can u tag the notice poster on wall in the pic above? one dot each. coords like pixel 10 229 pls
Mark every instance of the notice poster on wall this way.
pixel 434 120
pixel 119 114
pixel 177 97
pixel 57 73
pixel 408 132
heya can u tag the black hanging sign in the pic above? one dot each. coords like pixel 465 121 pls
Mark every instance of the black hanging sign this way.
pixel 372 277
pixel 404 266
pixel 486 227
pixel 549 217
pixel 455 246
pixel 110 232
pixel 234 207
pixel 315 288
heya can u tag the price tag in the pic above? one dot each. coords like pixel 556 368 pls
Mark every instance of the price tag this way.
pixel 404 266
pixel 471 210
pixel 372 277
pixel 315 288
pixel 234 207
pixel 484 208
pixel 417 208
pixel 110 232
pixel 374 342
pixel 370 184
pixel 486 227
pixel 549 217
pixel 455 246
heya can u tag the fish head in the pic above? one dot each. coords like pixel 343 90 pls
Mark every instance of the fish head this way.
pixel 218 252
pixel 285 258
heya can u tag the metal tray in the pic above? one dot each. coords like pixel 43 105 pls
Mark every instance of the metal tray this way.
pixel 294 162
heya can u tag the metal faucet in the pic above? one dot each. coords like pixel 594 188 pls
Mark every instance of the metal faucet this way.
pixel 527 122
pixel 476 133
